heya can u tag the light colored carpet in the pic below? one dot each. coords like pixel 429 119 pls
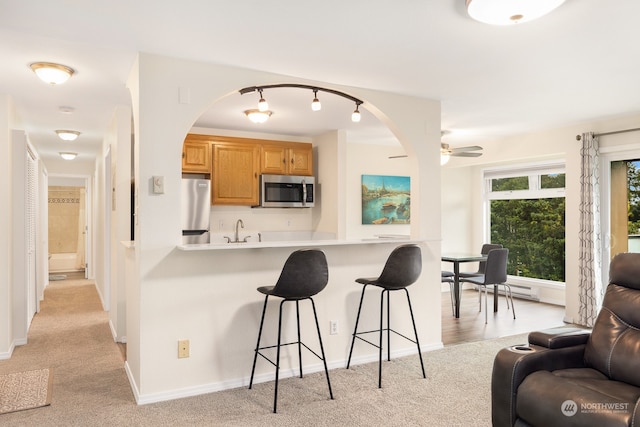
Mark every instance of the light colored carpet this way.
pixel 25 390
pixel 71 335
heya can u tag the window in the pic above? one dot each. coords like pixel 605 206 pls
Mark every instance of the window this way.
pixel 526 213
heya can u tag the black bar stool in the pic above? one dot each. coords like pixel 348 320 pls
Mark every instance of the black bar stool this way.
pixel 403 267
pixel 305 273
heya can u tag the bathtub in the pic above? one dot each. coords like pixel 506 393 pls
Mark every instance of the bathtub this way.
pixel 63 262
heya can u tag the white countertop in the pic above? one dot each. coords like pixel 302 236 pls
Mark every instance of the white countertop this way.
pixel 296 243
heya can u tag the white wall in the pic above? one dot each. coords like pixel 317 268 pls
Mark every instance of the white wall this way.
pixel 119 139
pixel 365 159
pixel 210 297
pixel 6 181
pixel 19 244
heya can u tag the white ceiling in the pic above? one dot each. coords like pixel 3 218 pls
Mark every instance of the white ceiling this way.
pixel 579 63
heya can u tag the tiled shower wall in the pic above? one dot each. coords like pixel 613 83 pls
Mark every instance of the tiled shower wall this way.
pixel 64 211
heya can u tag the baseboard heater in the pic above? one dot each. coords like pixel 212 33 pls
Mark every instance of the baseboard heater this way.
pixel 519 291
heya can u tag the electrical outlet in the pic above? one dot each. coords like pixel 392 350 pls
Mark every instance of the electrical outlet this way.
pixel 183 349
pixel 221 224
pixel 333 327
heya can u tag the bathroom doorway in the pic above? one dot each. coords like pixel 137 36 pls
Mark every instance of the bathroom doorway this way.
pixel 67 231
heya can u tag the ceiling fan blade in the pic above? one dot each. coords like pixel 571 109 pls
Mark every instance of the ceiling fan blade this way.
pixel 469 148
pixel 465 154
pixel 398 157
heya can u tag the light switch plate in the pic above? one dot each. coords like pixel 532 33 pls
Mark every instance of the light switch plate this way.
pixel 158 185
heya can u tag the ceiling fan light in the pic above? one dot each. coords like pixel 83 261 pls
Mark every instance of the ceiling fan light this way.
pixel 68 135
pixel 53 74
pixel 509 12
pixel 444 158
pixel 67 155
pixel 257 116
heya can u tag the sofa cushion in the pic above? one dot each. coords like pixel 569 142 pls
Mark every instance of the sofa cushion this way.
pixel 614 344
pixel 577 397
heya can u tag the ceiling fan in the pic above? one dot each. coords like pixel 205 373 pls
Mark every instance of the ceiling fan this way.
pixel 446 152
pixel 468 151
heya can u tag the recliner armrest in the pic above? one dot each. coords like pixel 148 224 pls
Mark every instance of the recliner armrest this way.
pixel 513 364
pixel 559 337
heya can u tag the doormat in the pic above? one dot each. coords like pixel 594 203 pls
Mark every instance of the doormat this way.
pixel 25 390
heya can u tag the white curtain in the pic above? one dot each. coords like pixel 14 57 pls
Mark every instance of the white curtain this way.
pixel 590 287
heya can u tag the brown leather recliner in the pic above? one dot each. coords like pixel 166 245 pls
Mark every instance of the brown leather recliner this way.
pixel 577 377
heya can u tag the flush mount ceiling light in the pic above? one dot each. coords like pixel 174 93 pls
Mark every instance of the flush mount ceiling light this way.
pixel 315 105
pixel 68 135
pixel 51 73
pixel 509 12
pixel 68 155
pixel 257 116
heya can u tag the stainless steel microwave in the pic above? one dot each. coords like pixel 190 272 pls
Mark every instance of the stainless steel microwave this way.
pixel 287 191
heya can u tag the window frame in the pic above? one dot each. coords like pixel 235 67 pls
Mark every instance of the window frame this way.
pixel 533 171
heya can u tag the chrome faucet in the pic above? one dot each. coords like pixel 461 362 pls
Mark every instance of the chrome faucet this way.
pixel 241 224
pixel 236 238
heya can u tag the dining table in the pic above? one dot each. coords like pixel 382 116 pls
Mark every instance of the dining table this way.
pixel 457 259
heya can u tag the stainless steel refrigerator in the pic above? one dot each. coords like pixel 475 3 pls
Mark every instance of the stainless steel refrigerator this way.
pixel 196 208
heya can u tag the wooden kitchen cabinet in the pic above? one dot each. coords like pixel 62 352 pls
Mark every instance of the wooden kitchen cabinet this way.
pixel 235 164
pixel 287 159
pixel 196 155
pixel 236 171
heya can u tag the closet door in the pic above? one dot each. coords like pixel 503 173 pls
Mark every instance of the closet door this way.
pixel 31 209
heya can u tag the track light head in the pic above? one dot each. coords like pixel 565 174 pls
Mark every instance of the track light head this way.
pixel 316 105
pixel 263 105
pixel 355 116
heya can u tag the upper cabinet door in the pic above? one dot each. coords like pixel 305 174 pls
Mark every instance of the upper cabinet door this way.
pixel 273 159
pixel 196 157
pixel 235 174
pixel 287 159
pixel 301 160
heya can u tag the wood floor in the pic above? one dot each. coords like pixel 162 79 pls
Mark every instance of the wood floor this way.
pixel 530 315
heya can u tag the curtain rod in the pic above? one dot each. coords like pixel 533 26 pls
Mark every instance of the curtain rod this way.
pixel 579 137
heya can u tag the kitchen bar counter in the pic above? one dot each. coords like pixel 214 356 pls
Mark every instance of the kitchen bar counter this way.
pixel 296 243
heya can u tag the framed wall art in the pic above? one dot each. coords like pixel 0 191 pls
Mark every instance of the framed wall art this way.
pixel 386 199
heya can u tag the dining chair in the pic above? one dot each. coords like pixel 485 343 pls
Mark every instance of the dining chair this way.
pixel 448 277
pixel 481 265
pixel 495 275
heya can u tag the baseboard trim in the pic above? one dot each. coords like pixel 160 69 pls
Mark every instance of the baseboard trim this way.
pixel 265 377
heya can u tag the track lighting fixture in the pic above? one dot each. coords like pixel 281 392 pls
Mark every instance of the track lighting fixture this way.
pixel 263 105
pixel 316 105
pixel 355 116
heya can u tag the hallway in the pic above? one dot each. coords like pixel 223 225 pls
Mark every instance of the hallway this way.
pixel 71 336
